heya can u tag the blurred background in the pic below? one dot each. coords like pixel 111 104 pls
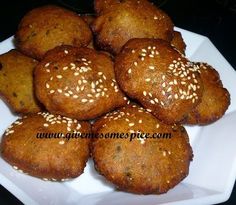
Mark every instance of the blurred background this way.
pixel 215 19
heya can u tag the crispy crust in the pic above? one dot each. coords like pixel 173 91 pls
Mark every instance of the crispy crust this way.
pixel 46 27
pixel 130 19
pixel 215 98
pixel 154 166
pixel 46 158
pixel 178 42
pixel 16 82
pixel 159 77
pixel 77 82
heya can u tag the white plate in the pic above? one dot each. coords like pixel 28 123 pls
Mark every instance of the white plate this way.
pixel 212 172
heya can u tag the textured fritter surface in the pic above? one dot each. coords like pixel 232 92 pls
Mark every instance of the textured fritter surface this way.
pixel 129 19
pixel 215 98
pixel 142 166
pixel 159 77
pixel 51 159
pixel 178 42
pixel 77 82
pixel 46 27
pixel 16 82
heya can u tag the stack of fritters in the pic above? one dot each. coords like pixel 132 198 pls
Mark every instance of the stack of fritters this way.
pixel 136 56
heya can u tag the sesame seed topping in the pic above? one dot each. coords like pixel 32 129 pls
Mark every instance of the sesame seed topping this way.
pixel 148 79
pixel 144 93
pixel 131 124
pixel 84 100
pixel 59 76
pixel 45 125
pixel 151 67
pixel 135 63
pixel 46 65
pixel 66 51
pixel 61 142
pixel 129 71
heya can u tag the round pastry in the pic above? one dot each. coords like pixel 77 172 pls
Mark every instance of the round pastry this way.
pixel 77 82
pixel 130 19
pixel 215 98
pixel 46 27
pixel 159 77
pixel 16 82
pixel 178 42
pixel 143 165
pixel 35 144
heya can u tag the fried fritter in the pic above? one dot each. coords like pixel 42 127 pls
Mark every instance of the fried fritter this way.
pixel 142 166
pixel 46 27
pixel 54 158
pixel 16 82
pixel 130 19
pixel 215 98
pixel 178 42
pixel 159 77
pixel 78 83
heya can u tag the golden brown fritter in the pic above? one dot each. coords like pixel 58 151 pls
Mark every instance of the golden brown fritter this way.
pixel 46 27
pixel 159 77
pixel 215 98
pixel 178 42
pixel 77 82
pixel 142 166
pixel 54 158
pixel 16 82
pixel 130 19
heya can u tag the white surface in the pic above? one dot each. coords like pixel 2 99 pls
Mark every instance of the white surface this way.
pixel 212 172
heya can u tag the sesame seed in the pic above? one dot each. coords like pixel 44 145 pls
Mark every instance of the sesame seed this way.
pixel 133 51
pixel 46 65
pixel 144 50
pixel 59 90
pixel 47 85
pixel 140 121
pixel 144 93
pixel 61 142
pixel 163 92
pixel 163 84
pixel 131 124
pixel 129 71
pixel 51 91
pixel 156 100
pixel 76 74
pixel 45 125
pixel 155 17
pixel 59 76
pixel 100 73
pixel 176 96
pixel 66 51
pixel 65 68
pixel 157 126
pixel 152 101
pixel 151 67
pixel 135 63
pixel 148 79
